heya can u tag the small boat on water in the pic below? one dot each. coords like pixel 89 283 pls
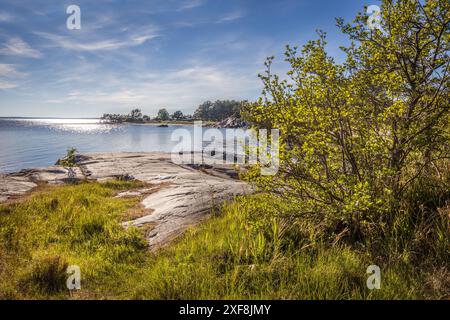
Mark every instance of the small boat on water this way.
pixel 163 126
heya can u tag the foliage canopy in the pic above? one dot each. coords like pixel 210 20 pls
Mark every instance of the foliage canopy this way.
pixel 357 136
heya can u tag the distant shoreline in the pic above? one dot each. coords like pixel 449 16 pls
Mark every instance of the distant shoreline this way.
pixel 205 123
pixel 169 123
pixel 53 118
pixel 100 121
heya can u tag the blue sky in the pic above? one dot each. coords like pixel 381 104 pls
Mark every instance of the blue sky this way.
pixel 149 54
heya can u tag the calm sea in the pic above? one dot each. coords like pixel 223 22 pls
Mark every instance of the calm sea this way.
pixel 31 143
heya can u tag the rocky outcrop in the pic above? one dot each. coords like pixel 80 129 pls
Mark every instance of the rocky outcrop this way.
pixel 231 122
pixel 14 186
pixel 181 196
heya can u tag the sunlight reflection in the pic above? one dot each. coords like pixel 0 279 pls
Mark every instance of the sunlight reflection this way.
pixel 89 126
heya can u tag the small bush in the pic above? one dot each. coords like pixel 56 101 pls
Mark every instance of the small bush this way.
pixel 47 276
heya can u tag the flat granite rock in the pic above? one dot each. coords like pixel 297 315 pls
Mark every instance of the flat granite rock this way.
pixel 13 186
pixel 186 198
pixel 186 195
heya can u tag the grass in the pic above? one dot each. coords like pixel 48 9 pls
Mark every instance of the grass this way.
pixel 227 257
pixel 61 226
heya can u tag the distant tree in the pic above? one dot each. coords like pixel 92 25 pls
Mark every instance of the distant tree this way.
pixel 203 110
pixel 178 115
pixel 218 110
pixel 113 118
pixel 163 115
pixel 135 115
pixel 146 118
pixel 105 117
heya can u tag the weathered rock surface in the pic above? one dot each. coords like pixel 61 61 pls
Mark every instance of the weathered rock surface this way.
pixel 182 195
pixel 12 186
pixel 231 122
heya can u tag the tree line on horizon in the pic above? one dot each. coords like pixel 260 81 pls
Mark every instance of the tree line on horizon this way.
pixel 136 115
pixel 207 111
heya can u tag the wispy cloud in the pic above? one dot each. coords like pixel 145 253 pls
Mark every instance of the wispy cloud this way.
pixel 6 17
pixel 173 53
pixel 8 76
pixel 10 71
pixel 178 88
pixel 124 96
pixel 17 47
pixel 236 15
pixel 55 101
pixel 190 4
pixel 7 85
pixel 130 40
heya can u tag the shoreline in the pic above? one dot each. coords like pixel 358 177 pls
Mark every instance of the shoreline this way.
pixel 212 124
pixel 176 196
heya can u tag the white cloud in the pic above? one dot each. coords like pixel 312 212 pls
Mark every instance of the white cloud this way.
pixel 10 71
pixel 190 4
pixel 124 96
pixel 7 85
pixel 6 17
pixel 231 17
pixel 108 44
pixel 17 47
pixel 181 89
pixel 55 101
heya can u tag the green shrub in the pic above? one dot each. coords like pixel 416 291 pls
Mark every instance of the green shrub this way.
pixel 364 143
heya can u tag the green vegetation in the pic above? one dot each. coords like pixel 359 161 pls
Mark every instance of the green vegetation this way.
pixel 364 180
pixel 68 162
pixel 207 111
pixel 365 148
pixel 235 254
pixel 218 110
pixel 163 115
pixel 61 226
pixel 136 116
pixel 177 115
